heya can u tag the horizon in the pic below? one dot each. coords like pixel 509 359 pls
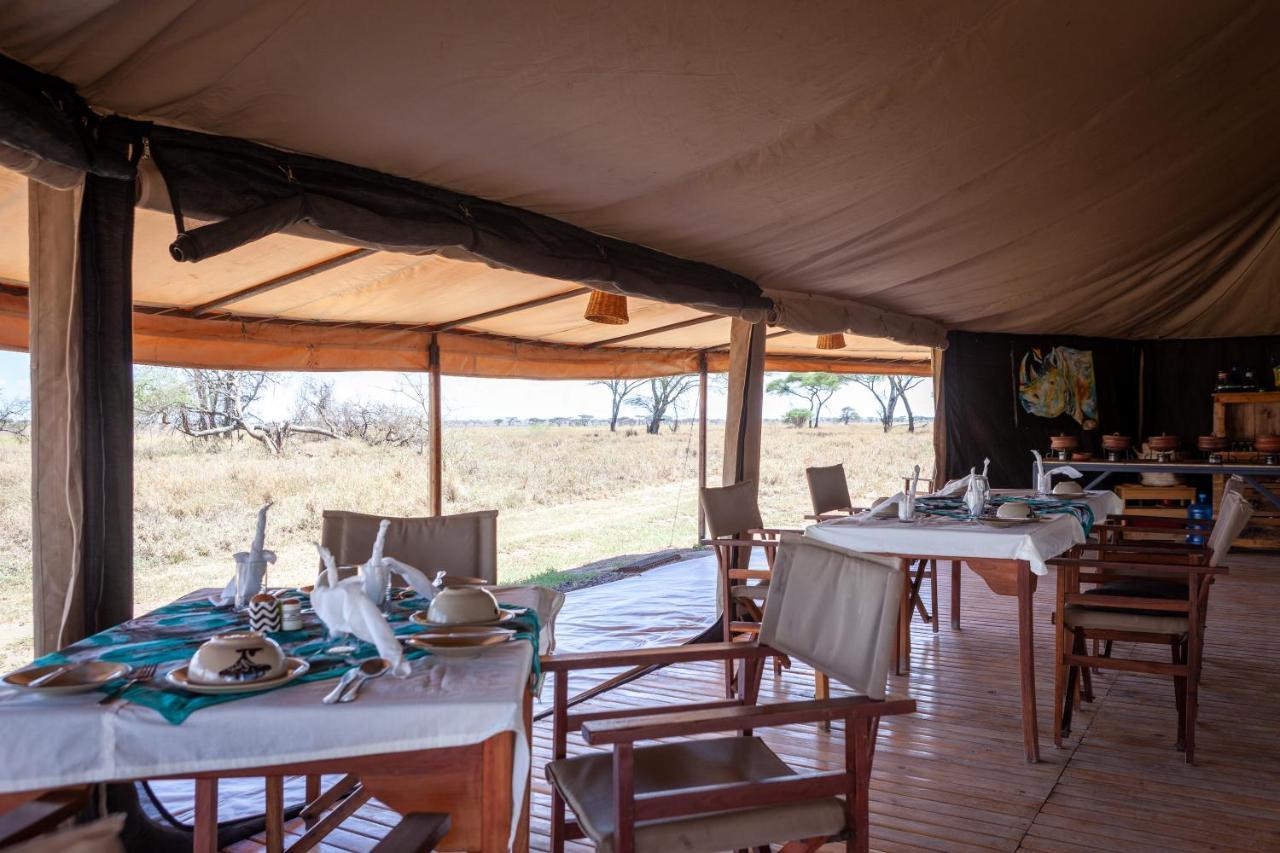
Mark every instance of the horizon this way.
pixel 473 399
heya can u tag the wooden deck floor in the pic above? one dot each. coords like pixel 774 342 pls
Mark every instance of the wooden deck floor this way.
pixel 952 777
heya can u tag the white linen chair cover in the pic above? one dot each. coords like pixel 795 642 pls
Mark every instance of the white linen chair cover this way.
pixel 836 610
pixel 1234 515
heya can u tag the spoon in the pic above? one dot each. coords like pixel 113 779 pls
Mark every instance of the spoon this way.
pixel 371 668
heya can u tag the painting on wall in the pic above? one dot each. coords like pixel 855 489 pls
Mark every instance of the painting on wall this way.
pixel 1059 381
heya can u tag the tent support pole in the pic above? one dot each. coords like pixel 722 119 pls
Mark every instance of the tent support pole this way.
pixel 702 442
pixel 435 424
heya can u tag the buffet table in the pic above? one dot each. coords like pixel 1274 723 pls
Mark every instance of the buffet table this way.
pixel 451 737
pixel 1009 559
pixel 1248 471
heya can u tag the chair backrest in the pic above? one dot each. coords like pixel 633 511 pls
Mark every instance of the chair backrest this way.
pixel 1234 513
pixel 836 610
pixel 731 509
pixel 828 488
pixel 465 544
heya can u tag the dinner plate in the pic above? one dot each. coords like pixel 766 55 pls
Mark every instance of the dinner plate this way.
pixel 996 521
pixel 81 678
pixel 459 640
pixel 294 667
pixel 420 618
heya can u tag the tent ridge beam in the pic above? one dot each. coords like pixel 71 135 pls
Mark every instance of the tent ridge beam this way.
pixel 670 327
pixel 282 281
pixel 510 309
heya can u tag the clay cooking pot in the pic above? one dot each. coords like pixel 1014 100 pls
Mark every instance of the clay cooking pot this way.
pixel 1163 443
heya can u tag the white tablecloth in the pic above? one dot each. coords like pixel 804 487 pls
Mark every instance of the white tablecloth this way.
pixel 945 537
pixel 444 702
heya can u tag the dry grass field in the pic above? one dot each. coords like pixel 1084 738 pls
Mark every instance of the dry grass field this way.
pixel 567 496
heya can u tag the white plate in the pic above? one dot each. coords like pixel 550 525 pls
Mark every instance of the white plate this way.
pixel 420 618
pixel 294 667
pixel 81 678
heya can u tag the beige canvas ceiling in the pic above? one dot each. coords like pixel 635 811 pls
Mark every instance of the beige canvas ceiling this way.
pixel 1090 167
pixel 377 311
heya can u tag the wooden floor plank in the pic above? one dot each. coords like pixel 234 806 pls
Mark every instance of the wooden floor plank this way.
pixel 952 777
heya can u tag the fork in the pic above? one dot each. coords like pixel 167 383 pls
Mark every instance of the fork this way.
pixel 142 673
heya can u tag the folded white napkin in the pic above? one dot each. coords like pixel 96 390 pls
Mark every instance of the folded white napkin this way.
pixel 247 578
pixel 954 488
pixel 344 608
pixel 887 508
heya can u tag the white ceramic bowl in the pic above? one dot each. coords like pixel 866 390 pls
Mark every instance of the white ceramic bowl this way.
pixel 236 659
pixel 463 605
pixel 1068 487
pixel 1013 510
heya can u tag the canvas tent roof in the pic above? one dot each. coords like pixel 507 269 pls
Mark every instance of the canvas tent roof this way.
pixel 1024 167
pixel 376 310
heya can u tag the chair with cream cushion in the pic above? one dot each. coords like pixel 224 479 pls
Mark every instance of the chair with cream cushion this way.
pixel 833 609
pixel 464 545
pixel 1140 594
pixel 734 530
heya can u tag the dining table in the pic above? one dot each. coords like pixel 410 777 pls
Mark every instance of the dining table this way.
pixel 1009 556
pixel 452 736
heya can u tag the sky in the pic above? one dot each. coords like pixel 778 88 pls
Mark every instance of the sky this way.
pixel 486 399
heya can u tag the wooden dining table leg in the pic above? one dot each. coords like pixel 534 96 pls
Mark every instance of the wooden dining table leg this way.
pixel 205 837
pixel 905 606
pixel 955 595
pixel 1027 662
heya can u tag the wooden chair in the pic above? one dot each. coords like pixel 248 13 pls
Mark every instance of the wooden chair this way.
pixel 1140 594
pixel 464 545
pixel 732 792
pixel 735 528
pixel 829 495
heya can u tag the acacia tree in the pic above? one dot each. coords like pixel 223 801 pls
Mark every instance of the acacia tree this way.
pixel 847 414
pixel 901 385
pixel 815 388
pixel 618 391
pixel 663 393
pixel 797 417
pixel 884 392
pixel 14 415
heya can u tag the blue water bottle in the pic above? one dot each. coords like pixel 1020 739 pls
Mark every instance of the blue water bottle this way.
pixel 1201 510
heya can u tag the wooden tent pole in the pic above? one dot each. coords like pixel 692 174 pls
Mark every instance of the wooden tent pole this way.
pixel 702 441
pixel 435 424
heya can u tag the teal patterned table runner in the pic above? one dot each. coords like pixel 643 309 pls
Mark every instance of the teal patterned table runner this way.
pixel 955 508
pixel 170 635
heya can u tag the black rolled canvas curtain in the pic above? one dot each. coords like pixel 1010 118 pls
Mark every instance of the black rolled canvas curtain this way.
pixel 106 288
pixel 248 190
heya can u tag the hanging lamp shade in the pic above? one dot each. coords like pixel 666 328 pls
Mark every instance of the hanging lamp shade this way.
pixel 835 341
pixel 607 308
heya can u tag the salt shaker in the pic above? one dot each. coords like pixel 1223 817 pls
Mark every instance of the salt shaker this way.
pixel 290 614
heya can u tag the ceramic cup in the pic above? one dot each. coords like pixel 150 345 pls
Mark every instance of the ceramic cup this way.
pixel 233 658
pixel 463 605
pixel 264 613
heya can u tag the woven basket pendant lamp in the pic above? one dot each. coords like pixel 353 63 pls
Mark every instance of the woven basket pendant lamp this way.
pixel 835 341
pixel 607 308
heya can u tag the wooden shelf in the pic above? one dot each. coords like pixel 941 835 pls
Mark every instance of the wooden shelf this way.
pixel 1247 397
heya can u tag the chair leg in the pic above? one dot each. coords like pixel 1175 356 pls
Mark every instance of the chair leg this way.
pixel 1059 674
pixel 1086 684
pixel 822 691
pixel 1192 656
pixel 1073 672
pixel 1179 691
